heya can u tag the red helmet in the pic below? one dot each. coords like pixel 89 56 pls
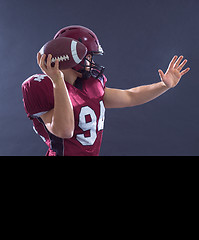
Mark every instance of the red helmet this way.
pixel 83 35
pixel 90 40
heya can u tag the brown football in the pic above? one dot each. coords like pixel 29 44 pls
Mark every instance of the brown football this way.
pixel 68 51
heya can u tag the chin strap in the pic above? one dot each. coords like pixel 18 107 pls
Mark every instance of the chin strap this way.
pixel 85 74
pixel 96 70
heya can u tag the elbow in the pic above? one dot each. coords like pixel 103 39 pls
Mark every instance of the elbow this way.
pixel 63 133
pixel 63 129
pixel 68 134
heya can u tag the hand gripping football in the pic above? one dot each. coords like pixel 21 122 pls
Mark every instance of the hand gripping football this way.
pixel 68 51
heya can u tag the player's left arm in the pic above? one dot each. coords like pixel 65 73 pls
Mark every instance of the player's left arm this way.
pixel 117 98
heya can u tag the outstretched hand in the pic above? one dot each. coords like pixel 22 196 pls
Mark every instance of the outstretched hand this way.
pixel 174 72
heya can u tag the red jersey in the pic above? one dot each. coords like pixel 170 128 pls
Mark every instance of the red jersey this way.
pixel 88 110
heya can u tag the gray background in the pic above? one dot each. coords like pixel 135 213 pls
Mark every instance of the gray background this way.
pixel 138 37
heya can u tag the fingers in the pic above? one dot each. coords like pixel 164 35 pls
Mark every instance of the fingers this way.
pixel 161 73
pixel 173 62
pixel 56 64
pixel 185 71
pixel 179 66
pixel 178 62
pixel 44 65
pixel 42 62
pixel 182 65
pixel 38 58
pixel 49 58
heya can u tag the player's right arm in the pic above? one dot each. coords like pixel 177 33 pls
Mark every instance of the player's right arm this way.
pixel 60 120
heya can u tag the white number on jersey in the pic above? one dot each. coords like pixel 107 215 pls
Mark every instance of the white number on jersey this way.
pixel 92 125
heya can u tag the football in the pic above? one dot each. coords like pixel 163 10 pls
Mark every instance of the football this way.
pixel 68 51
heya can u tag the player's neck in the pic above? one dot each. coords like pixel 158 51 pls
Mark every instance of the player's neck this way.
pixel 71 75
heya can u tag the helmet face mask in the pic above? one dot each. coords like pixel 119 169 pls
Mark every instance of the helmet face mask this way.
pixel 93 69
pixel 90 40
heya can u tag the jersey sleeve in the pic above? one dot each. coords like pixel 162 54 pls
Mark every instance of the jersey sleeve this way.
pixel 38 95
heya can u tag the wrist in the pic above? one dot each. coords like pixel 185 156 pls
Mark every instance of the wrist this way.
pixel 57 82
pixel 164 85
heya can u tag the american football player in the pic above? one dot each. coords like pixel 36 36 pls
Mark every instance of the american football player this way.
pixel 67 107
